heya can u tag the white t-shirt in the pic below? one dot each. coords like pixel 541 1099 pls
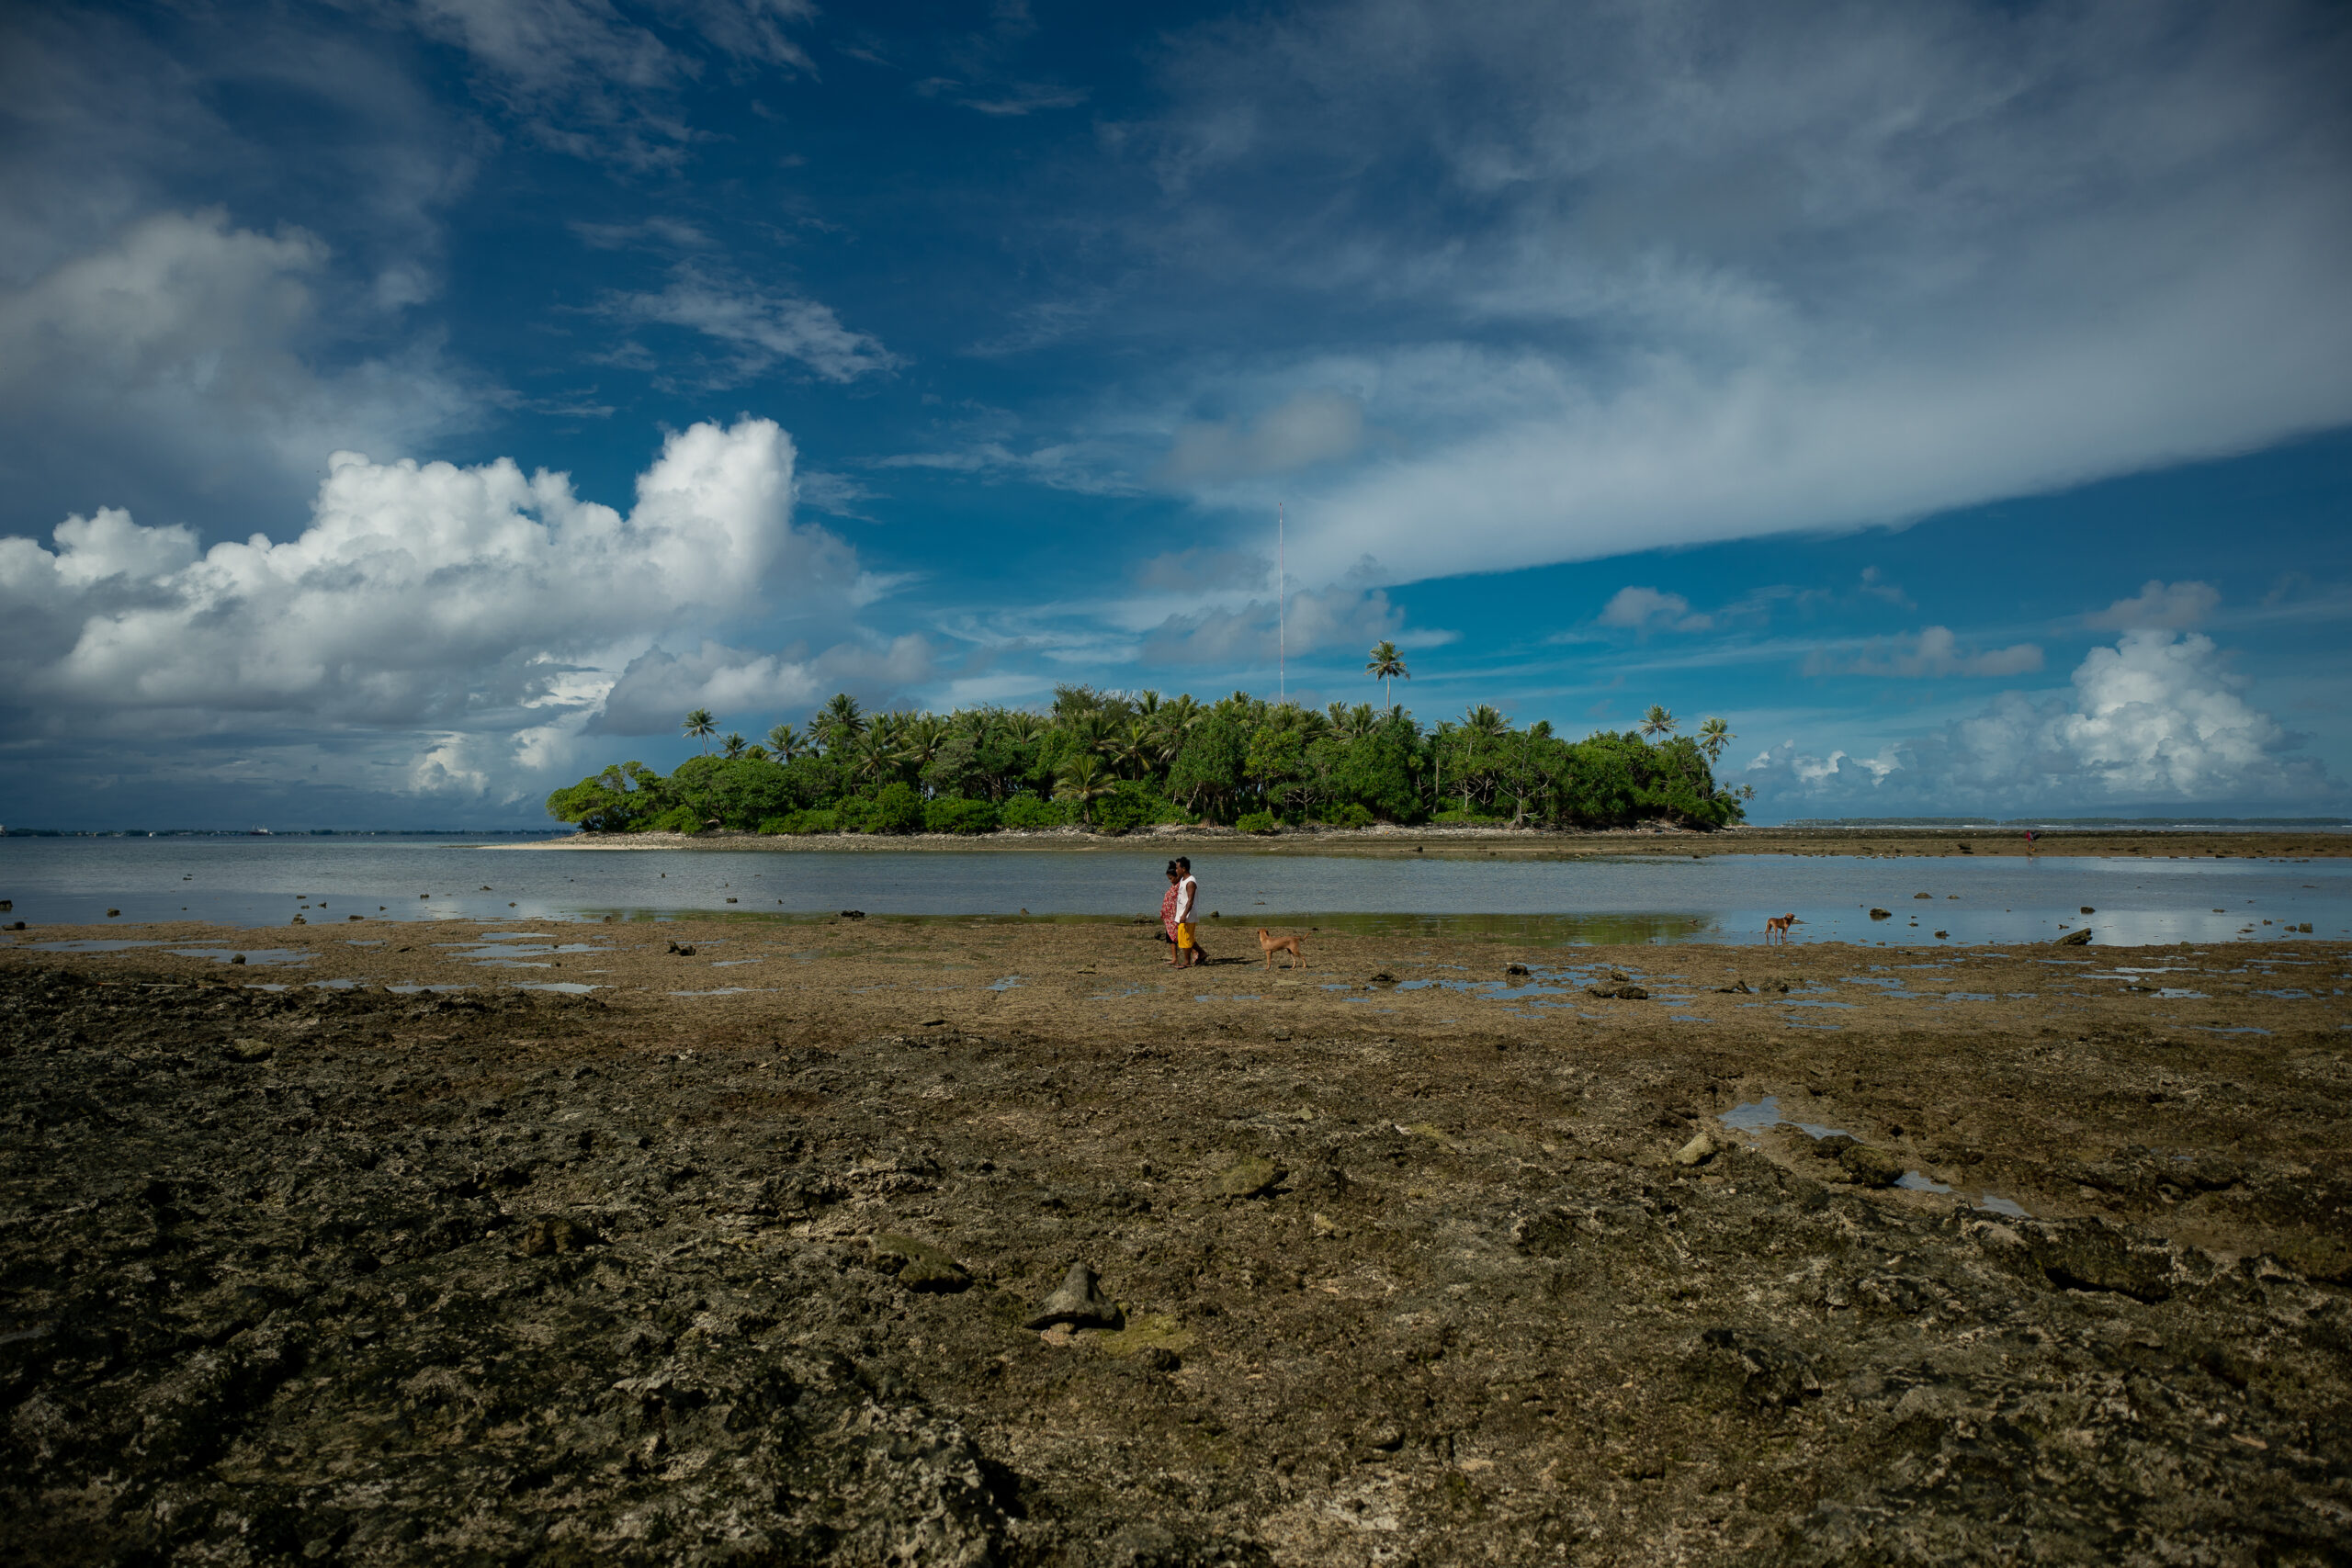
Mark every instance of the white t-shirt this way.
pixel 1187 892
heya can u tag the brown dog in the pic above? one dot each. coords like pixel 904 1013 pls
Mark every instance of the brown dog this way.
pixel 1778 923
pixel 1272 944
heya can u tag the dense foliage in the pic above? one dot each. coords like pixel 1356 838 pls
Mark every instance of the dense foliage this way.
pixel 1114 761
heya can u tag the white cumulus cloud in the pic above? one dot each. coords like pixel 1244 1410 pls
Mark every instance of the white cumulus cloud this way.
pixel 2157 719
pixel 463 624
pixel 1647 609
pixel 2174 607
pixel 659 685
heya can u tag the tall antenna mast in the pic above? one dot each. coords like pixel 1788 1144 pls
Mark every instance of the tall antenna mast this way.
pixel 1282 613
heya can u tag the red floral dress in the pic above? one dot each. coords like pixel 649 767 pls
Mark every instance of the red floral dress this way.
pixel 1167 912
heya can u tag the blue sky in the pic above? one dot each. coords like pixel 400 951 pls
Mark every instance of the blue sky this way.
pixel 407 407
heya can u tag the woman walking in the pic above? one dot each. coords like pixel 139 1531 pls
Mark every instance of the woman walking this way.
pixel 1168 912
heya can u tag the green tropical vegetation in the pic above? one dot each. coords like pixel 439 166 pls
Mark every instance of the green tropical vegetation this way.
pixel 1113 761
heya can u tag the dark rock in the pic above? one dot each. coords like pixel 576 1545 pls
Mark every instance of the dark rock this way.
pixel 1078 1302
pixel 1881 914
pixel 2090 1255
pixel 552 1234
pixel 1867 1166
pixel 860 914
pixel 2075 939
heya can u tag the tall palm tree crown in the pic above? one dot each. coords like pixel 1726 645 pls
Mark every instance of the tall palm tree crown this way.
pixel 1657 721
pixel 839 721
pixel 1386 665
pixel 700 725
pixel 1713 735
pixel 732 747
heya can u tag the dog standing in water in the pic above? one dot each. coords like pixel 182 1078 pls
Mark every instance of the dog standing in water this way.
pixel 1272 944
pixel 1778 923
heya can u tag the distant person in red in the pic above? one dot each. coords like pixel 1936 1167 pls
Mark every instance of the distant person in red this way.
pixel 1167 910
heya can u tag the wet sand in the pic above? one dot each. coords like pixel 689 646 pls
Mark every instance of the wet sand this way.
pixel 1402 1257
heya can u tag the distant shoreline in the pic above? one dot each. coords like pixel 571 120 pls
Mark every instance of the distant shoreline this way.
pixel 1516 842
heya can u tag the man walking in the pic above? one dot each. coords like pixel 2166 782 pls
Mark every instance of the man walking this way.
pixel 1188 902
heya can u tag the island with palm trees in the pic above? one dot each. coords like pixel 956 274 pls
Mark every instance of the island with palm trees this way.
pixel 1114 761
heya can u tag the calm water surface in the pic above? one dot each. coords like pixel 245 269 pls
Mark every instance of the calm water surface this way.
pixel 1665 899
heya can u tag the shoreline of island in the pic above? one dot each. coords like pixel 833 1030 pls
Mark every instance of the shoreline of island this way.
pixel 1675 842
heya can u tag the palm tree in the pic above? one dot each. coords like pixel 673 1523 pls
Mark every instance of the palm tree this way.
pixel 1657 721
pixel 1137 749
pixel 1486 720
pixel 1386 665
pixel 1713 735
pixel 873 758
pixel 785 743
pixel 839 721
pixel 757 753
pixel 1084 780
pixel 701 726
pixel 922 741
pixel 732 747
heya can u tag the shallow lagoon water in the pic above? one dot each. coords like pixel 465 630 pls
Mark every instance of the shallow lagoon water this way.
pixel 1547 901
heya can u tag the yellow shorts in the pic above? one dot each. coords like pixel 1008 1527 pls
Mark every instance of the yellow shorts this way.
pixel 1184 934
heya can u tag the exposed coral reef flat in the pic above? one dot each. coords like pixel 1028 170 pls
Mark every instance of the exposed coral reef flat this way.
pixel 969 1242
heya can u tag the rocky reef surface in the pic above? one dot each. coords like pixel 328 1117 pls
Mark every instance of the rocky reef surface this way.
pixel 313 1276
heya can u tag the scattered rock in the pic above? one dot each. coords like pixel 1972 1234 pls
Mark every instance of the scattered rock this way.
pixel 2075 939
pixel 1930 895
pixel 1736 989
pixel 1077 1303
pixel 683 949
pixel 2088 911
pixel 1517 971
pixel 1867 1167
pixel 1620 993
pixel 860 914
pixel 918 1265
pixel 1381 978
pixel 249 1050
pixel 1254 1175
pixel 1698 1151
pixel 550 1234
pixel 1881 914
pixel 236 958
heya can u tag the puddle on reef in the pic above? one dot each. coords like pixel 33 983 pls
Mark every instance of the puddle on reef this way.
pixel 90 947
pixel 1759 1115
pixel 1011 981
